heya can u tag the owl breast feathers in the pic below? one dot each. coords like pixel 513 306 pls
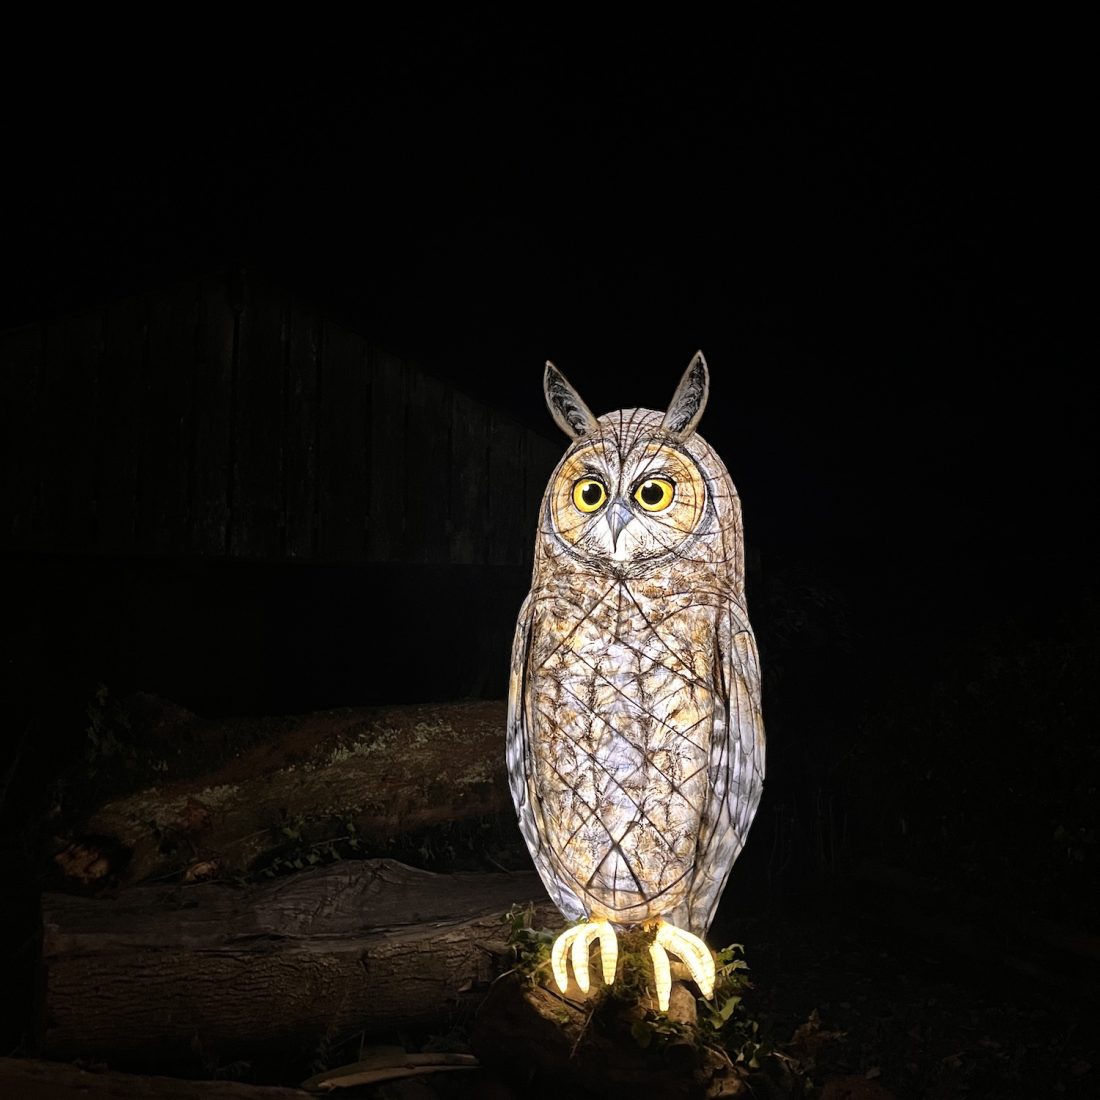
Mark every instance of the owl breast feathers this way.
pixel 635 739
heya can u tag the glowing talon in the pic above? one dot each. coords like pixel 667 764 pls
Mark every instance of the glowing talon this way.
pixel 557 960
pixel 662 975
pixel 609 952
pixel 579 955
pixel 577 941
pixel 691 949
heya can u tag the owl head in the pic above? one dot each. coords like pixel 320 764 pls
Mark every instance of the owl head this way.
pixel 638 489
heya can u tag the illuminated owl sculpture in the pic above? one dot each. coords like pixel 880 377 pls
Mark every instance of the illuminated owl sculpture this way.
pixel 635 739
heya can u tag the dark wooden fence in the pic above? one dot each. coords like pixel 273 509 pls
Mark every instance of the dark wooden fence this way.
pixel 225 417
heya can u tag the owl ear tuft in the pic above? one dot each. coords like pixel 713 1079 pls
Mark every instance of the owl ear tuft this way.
pixel 570 413
pixel 689 400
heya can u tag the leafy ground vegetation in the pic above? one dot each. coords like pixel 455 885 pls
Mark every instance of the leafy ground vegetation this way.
pixel 696 1040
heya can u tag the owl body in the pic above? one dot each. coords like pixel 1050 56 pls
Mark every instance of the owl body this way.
pixel 635 743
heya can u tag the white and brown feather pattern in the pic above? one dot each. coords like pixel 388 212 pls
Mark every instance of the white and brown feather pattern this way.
pixel 635 741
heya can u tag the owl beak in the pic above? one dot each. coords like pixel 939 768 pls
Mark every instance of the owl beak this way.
pixel 618 516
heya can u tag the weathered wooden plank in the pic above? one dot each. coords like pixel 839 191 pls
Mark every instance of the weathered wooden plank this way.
pixel 386 531
pixel 73 347
pixel 209 401
pixel 212 437
pixel 30 1079
pixel 21 365
pixel 121 387
pixel 256 521
pixel 300 443
pixel 540 458
pixel 343 445
pixel 427 469
pixel 506 490
pixel 529 507
pixel 355 896
pixel 166 421
pixel 469 495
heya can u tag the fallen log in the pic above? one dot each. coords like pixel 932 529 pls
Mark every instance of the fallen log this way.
pixel 31 1079
pixel 160 973
pixel 530 1033
pixel 389 1064
pixel 355 777
pixel 544 1043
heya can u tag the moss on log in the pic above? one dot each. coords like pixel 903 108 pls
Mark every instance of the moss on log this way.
pixel 365 775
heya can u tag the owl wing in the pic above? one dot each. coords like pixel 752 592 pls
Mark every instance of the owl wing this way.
pixel 520 738
pixel 736 762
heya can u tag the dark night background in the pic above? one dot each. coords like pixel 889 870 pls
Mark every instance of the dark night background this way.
pixel 879 236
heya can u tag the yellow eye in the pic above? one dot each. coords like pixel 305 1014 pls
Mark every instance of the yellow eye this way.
pixel 589 494
pixel 655 495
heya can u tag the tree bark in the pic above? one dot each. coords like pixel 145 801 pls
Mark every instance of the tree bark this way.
pixel 29 1079
pixel 160 972
pixel 552 1045
pixel 367 774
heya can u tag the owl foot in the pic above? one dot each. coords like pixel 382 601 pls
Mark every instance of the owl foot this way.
pixel 694 953
pixel 576 940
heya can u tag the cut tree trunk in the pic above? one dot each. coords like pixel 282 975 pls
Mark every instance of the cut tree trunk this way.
pixel 367 774
pixel 159 973
pixel 555 1045
pixel 28 1079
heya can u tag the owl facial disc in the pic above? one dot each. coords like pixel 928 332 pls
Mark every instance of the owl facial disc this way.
pixel 627 494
